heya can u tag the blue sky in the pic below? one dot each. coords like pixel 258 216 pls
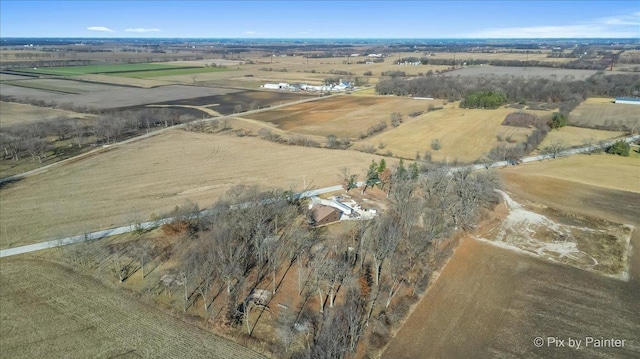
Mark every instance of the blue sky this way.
pixel 320 19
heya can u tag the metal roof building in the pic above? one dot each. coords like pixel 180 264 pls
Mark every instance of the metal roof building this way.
pixel 628 100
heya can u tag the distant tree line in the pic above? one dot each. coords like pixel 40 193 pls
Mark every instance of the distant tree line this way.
pixel 515 89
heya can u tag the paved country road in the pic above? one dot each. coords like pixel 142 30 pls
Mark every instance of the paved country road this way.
pixel 310 193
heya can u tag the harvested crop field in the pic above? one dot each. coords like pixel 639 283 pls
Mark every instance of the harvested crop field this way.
pixel 465 134
pixel 48 310
pixel 607 171
pixel 500 55
pixel 493 302
pixel 134 181
pixel 116 96
pixel 526 72
pixel 11 77
pixel 344 116
pixel 13 113
pixel 99 69
pixel 601 112
pixel 128 81
pixel 570 136
pixel 225 103
pixel 64 86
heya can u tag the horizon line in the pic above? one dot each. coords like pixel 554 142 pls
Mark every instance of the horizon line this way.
pixel 323 38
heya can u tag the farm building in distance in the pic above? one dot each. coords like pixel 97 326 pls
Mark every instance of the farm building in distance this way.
pixel 628 100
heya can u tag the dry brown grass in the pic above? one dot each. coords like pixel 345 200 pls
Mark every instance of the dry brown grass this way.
pixel 599 111
pixel 465 134
pixel 51 311
pixel 126 81
pixel 576 136
pixel 532 56
pixel 132 182
pixel 608 171
pixel 344 116
pixel 12 113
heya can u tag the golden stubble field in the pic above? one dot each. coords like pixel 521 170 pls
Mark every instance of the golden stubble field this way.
pixel 603 170
pixel 12 113
pixel 570 136
pixel 132 182
pixel 602 111
pixel 48 310
pixel 465 134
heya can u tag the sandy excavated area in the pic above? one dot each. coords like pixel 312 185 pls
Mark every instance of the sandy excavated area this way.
pixel 131 183
pixel 595 245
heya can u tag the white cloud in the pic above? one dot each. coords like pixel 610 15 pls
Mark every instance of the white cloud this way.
pixel 99 28
pixel 565 31
pixel 250 32
pixel 623 20
pixel 622 26
pixel 141 30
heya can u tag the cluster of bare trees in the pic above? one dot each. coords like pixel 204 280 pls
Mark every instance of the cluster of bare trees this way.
pixel 243 244
pixel 390 258
pixel 514 88
pixel 38 139
pixel 232 258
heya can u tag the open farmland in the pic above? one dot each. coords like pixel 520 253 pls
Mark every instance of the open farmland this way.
pixel 132 182
pixel 128 81
pixel 465 134
pixel 607 171
pixel 526 72
pixel 601 112
pixel 570 136
pixel 101 69
pixel 11 77
pixel 500 55
pixel 170 72
pixel 493 302
pixel 63 86
pixel 225 103
pixel 343 116
pixel 48 310
pixel 13 113
pixel 114 96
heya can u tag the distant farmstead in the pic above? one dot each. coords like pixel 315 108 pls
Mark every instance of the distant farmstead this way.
pixel 628 100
